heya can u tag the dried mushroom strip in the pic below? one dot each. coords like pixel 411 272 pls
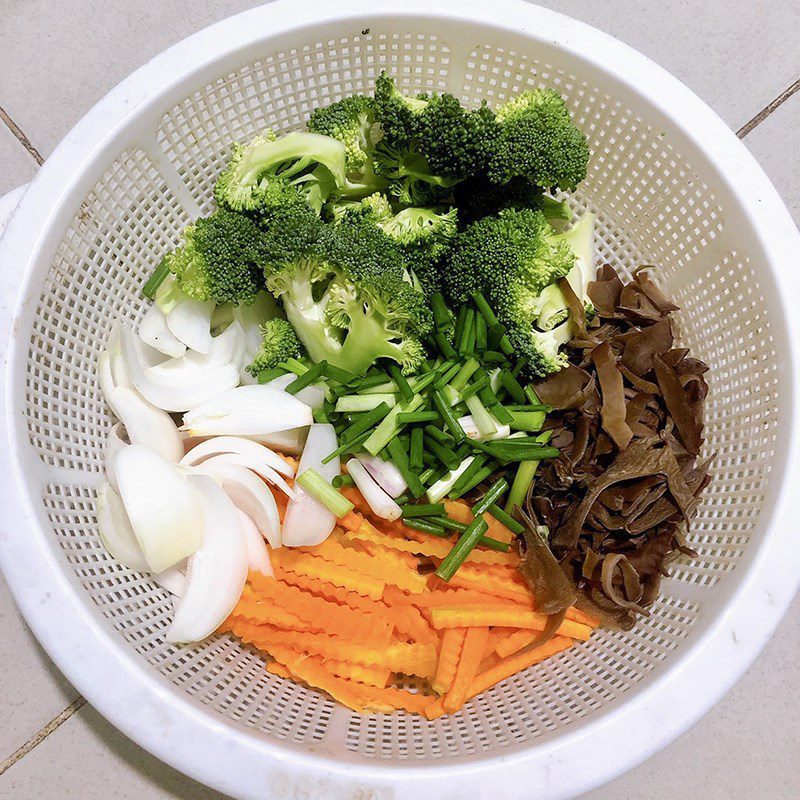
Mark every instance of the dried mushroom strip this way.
pixel 628 420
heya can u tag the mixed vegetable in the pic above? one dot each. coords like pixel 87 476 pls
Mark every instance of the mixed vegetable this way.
pixel 333 414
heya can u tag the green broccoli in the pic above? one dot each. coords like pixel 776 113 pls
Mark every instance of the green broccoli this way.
pixel 221 259
pixel 352 121
pixel 344 290
pixel 514 259
pixel 279 343
pixel 537 140
pixel 424 235
pixel 263 175
pixel 477 198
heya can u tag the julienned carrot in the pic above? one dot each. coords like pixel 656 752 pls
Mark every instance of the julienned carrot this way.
pixel 281 670
pixel 468 577
pixel 581 616
pixel 461 513
pixel 372 676
pixel 522 638
pixel 509 666
pixel 251 609
pixel 471 657
pixel 388 570
pixel 449 655
pixel 314 567
pixel 509 616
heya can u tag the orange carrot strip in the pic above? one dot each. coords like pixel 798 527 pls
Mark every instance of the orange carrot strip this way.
pixel 389 568
pixel 509 666
pixel 320 613
pixel 522 638
pixel 577 615
pixel 505 616
pixel 449 655
pixel 497 635
pixel 281 670
pixel 263 613
pixel 315 567
pixel 462 597
pixel 434 709
pixel 461 512
pixel 471 656
pixel 372 676
pixel 351 521
pixel 470 578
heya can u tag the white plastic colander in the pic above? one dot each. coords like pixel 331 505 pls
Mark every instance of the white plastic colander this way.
pixel 671 186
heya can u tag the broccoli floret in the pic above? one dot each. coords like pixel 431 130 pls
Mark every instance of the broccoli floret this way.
pixel 309 163
pixel 411 180
pixel 476 198
pixel 424 235
pixel 221 259
pixel 396 112
pixel 537 140
pixel 514 259
pixel 279 343
pixel 344 290
pixel 352 121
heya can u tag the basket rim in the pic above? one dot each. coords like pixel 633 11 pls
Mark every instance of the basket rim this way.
pixel 193 738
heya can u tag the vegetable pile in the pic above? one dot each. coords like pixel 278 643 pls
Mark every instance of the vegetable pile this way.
pixel 381 422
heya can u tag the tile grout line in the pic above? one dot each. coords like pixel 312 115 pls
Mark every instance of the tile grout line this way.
pixel 20 135
pixel 768 109
pixel 38 738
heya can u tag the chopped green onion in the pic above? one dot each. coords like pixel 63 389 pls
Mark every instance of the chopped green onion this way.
pixel 451 524
pixel 505 519
pixel 466 341
pixel 484 308
pixel 441 487
pixel 389 426
pixel 415 456
pixel 446 413
pixel 293 365
pixel 320 415
pixel 474 388
pixel 507 450
pixel 350 403
pixel 492 495
pixel 402 384
pixel 446 377
pixel 533 398
pixel 371 382
pixel 422 524
pixel 342 480
pixel 445 348
pixel 422 382
pixel 306 379
pixel 156 279
pixel 530 421
pixel 365 422
pixel 337 373
pixel 267 375
pixel 447 456
pixel 500 414
pixel 322 491
pixel 481 417
pixel 346 447
pixel 455 490
pixel 481 333
pixel 417 416
pixel 480 476
pixel 531 407
pixel 400 460
pixel 522 482
pixel 464 374
pixel 427 474
pixel 512 386
pixel 466 543
pixel 423 510
pixel 493 357
pixel 459 328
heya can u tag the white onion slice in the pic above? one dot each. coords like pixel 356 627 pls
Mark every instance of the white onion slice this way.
pixel 249 494
pixel 307 521
pixel 217 572
pixel 381 504
pixel 313 396
pixel 257 553
pixel 175 387
pixel 247 410
pixel 257 465
pixel 471 429
pixel 173 579
pixel 115 441
pixel 161 506
pixel 190 322
pixel 384 473
pixel 153 330
pixel 116 532
pixel 243 447
pixel 291 441
pixel 438 490
pixel 145 424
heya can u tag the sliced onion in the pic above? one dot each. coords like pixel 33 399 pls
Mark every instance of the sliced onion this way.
pixel 385 474
pixel 161 506
pixel 237 445
pixel 190 322
pixel 115 441
pixel 171 386
pixel 313 396
pixel 381 504
pixel 307 522
pixel 145 424
pixel 247 410
pixel 257 553
pixel 153 330
pixel 249 494
pixel 173 579
pixel 116 532
pixel 217 572
pixel 291 441
pixel 256 465
pixel 471 429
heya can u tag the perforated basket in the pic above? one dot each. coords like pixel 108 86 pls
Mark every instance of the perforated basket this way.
pixel 671 186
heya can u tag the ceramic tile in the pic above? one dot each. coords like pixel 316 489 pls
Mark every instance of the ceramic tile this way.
pixel 776 144
pixel 61 64
pixel 87 759
pixel 32 690
pixel 747 746
pixel 17 165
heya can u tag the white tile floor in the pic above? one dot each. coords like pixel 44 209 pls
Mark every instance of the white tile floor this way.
pixel 59 57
